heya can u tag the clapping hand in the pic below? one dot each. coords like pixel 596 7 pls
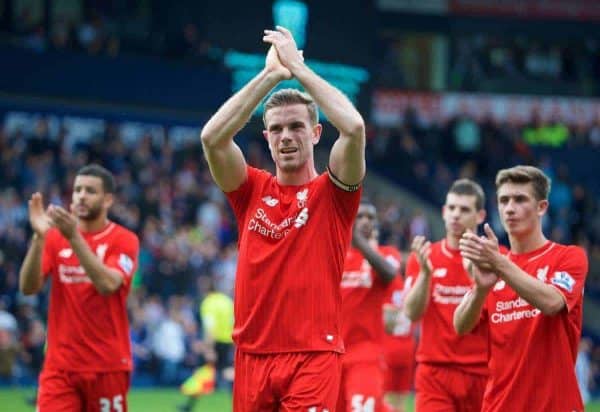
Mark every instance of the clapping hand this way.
pixel 422 249
pixel 480 252
pixel 38 218
pixel 63 220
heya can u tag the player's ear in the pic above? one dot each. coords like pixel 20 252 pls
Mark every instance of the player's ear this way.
pixel 108 200
pixel 542 207
pixel 317 130
pixel 481 214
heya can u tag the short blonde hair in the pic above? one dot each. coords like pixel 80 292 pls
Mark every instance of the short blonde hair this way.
pixel 526 174
pixel 285 97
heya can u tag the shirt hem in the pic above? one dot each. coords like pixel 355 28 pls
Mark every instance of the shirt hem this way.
pixel 474 369
pixel 83 370
pixel 279 351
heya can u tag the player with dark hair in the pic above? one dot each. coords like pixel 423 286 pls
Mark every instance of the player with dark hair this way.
pixel 91 261
pixel 368 270
pixel 451 370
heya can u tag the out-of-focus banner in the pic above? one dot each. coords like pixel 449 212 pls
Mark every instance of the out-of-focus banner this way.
pixel 389 106
pixel 414 6
pixel 536 9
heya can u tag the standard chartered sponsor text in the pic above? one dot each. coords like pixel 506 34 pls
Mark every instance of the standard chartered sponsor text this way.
pixel 72 274
pixel 504 306
pixel 449 295
pixel 261 223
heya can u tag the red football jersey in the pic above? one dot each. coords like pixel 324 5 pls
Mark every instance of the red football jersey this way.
pixel 532 364
pixel 292 244
pixel 399 345
pixel 363 293
pixel 86 330
pixel 439 343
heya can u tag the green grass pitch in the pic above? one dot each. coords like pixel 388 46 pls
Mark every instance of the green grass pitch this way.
pixel 156 400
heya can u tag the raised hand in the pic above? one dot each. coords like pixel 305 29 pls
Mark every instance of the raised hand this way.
pixel 285 46
pixel 422 249
pixel 39 220
pixel 273 64
pixel 63 220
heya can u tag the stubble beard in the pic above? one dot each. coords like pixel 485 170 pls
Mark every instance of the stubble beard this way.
pixel 92 214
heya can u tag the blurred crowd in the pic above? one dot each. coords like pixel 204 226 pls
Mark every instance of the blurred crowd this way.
pixel 426 158
pixel 108 29
pixel 477 58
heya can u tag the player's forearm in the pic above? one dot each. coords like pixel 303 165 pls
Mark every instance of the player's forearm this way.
pixel 418 297
pixel 537 293
pixel 337 107
pixel 30 275
pixel 235 112
pixel 384 269
pixel 104 279
pixel 468 312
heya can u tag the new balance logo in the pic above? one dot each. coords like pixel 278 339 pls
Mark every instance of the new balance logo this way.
pixel 440 272
pixel 65 253
pixel 270 201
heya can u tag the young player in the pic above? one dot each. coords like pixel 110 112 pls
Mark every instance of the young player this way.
pixel 452 370
pixel 531 299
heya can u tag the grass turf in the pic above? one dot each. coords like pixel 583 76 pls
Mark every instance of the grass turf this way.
pixel 156 400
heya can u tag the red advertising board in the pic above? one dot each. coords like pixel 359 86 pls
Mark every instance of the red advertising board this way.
pixel 388 107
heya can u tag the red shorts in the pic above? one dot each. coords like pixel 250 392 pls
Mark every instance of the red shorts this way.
pixel 441 389
pixel 296 381
pixel 62 391
pixel 361 388
pixel 399 378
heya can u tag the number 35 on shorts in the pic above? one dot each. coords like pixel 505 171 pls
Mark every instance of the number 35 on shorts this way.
pixel 112 405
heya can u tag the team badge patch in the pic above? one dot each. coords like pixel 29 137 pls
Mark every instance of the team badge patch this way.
pixel 126 263
pixel 563 280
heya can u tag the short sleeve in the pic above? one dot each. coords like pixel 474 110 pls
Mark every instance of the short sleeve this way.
pixel 569 275
pixel 48 256
pixel 123 255
pixel 239 199
pixel 345 202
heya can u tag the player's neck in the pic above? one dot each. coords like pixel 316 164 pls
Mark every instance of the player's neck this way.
pixel 297 177
pixel 452 242
pixel 92 226
pixel 527 243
